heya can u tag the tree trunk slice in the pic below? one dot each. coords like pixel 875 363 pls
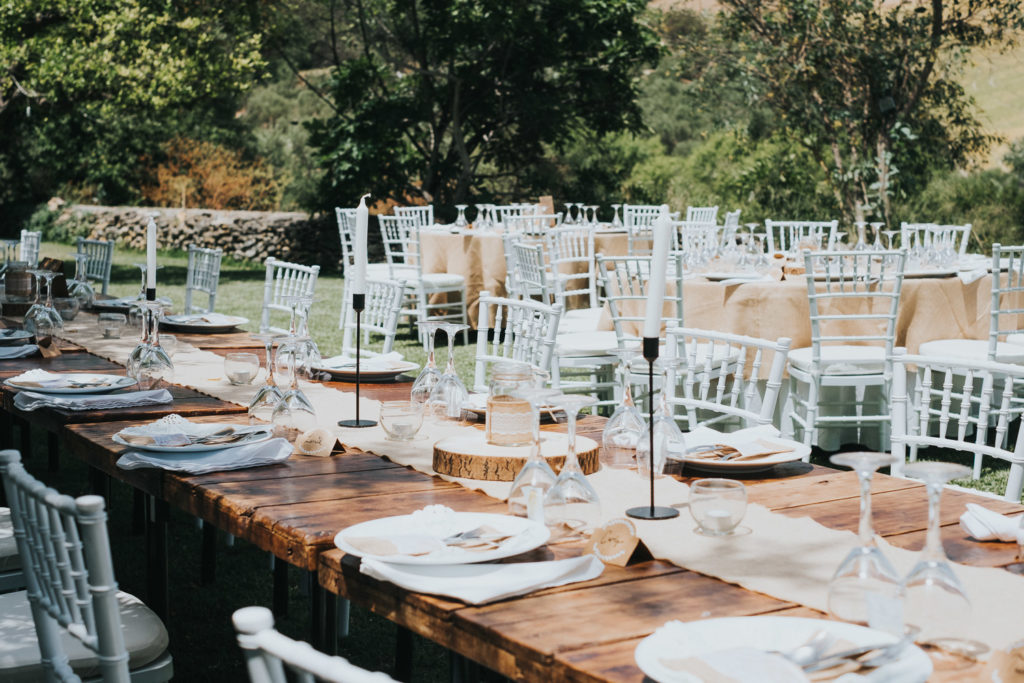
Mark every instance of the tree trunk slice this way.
pixel 469 456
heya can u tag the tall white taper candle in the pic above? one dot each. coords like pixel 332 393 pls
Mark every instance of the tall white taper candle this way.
pixel 659 263
pixel 151 254
pixel 358 283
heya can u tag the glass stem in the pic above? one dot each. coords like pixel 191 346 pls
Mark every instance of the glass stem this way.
pixel 572 464
pixel 430 349
pixel 270 370
pixel 291 364
pixel 451 353
pixel 933 550
pixel 154 325
pixel 865 530
pixel 49 291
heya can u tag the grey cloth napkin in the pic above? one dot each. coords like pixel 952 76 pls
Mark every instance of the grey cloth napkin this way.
pixel 255 455
pixel 31 400
pixel 22 351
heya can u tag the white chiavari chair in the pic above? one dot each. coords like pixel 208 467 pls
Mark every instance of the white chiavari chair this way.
pixel 958 404
pixel 28 250
pixel 638 220
pixel 510 329
pixel 284 279
pixel 702 214
pixel 915 237
pixel 203 275
pixel 11 576
pixel 791 236
pixel 380 316
pixel 374 271
pixel 269 653
pixel 423 215
pixel 853 299
pixel 83 625
pixel 100 259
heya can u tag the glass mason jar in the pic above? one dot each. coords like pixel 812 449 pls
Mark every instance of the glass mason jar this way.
pixel 509 418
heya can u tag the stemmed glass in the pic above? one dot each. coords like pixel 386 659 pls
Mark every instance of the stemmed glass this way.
pixel 667 435
pixel 581 216
pixel 865 582
pixel 294 413
pixel 461 222
pixel 934 599
pixel 42 319
pixel 568 215
pixel 293 345
pixel 308 351
pixel 862 237
pixel 154 364
pixel 877 228
pixel 616 221
pixel 535 478
pixel 480 223
pixel 448 395
pixel 80 287
pixel 572 506
pixel 624 429
pixel 262 405
pixel 429 376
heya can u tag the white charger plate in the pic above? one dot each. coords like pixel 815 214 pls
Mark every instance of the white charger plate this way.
pixel 347 373
pixel 260 433
pixel 799 452
pixel 677 640
pixel 194 324
pixel 528 535
pixel 119 382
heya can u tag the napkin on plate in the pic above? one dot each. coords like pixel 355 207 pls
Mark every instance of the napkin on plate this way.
pixel 382 362
pixel 208 318
pixel 30 400
pixel 477 584
pixel 751 443
pixel 255 455
pixel 11 352
pixel 54 380
pixel 985 525
pixel 736 665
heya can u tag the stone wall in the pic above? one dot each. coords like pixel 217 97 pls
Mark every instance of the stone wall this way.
pixel 248 235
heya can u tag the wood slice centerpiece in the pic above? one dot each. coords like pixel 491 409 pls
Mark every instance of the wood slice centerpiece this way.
pixel 469 456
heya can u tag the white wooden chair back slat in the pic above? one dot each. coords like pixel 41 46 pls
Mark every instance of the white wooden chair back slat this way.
pixel 100 258
pixel 516 330
pixel 571 252
pixel 203 276
pixel 791 236
pixel 531 271
pixel 693 237
pixel 530 224
pixel 702 214
pixel 284 279
pixel 346 234
pixel 1007 315
pixel 624 281
pixel 380 316
pixel 28 250
pixel 422 215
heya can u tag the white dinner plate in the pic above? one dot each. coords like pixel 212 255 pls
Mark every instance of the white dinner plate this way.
pixel 9 337
pixel 116 382
pixel 743 275
pixel 931 272
pixel 196 325
pixel 799 452
pixel 259 434
pixel 528 535
pixel 678 640
pixel 347 373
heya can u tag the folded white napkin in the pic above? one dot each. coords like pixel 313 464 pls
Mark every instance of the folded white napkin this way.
pixel 10 352
pixel 478 584
pixel 30 400
pixel 208 318
pixel 735 664
pixel 54 380
pixel 749 442
pixel 384 361
pixel 969 276
pixel 255 455
pixel 985 525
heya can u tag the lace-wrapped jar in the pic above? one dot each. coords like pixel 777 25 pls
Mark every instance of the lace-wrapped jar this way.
pixel 509 417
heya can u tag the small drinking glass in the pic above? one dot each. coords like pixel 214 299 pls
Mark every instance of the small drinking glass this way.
pixel 241 368
pixel 111 324
pixel 717 505
pixel 401 420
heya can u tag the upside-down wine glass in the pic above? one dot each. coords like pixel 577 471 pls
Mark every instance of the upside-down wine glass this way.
pixel 624 429
pixel 294 414
pixel 429 376
pixel 568 215
pixel 581 216
pixel 262 405
pixel 309 352
pixel 291 345
pixel 862 237
pixel 616 221
pixel 865 588
pixel 155 363
pixel 934 600
pixel 461 222
pixel 668 437
pixel 447 397
pixel 535 477
pixel 42 319
pixel 80 287
pixel 877 229
pixel 572 506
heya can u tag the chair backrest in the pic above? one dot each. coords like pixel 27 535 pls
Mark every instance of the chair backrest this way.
pixel 624 280
pixel 519 330
pixel 268 653
pixel 28 250
pixel 638 219
pixel 718 380
pixel 1007 316
pixel 855 295
pixel 65 553
pixel 961 404
pixel 702 214
pixel 918 236
pixel 285 279
pixel 100 255
pixel 574 272
pixel 203 275
pixel 791 236
pixel 531 271
pixel 732 219
pixel 423 215
pixel 691 237
pixel 401 237
pixel 531 224
pixel 380 315
pixel 347 234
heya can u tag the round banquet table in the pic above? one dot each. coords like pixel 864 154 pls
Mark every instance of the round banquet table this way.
pixel 480 258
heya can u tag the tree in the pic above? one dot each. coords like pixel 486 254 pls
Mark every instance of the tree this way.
pixel 86 86
pixel 867 86
pixel 445 99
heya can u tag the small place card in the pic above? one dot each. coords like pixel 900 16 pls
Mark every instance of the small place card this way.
pixel 617 543
pixel 48 347
pixel 318 442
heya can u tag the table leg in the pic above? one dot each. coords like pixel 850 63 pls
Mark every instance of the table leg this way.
pixel 6 429
pixel 156 556
pixel 52 451
pixel 316 612
pixel 280 588
pixel 138 511
pixel 208 572
pixel 99 484
pixel 331 601
pixel 403 654
pixel 26 438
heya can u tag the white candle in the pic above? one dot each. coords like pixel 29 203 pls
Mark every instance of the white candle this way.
pixel 151 254
pixel 659 263
pixel 359 272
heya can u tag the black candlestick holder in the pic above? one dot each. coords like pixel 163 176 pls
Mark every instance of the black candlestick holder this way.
pixel 358 304
pixel 650 350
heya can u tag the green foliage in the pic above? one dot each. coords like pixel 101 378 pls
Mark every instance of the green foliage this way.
pixel 57 227
pixel 444 90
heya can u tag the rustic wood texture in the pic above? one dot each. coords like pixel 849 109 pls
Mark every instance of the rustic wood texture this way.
pixel 475 459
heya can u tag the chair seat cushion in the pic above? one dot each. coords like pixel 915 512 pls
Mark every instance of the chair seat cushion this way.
pixel 842 360
pixel 973 349
pixel 144 635
pixel 580 320
pixel 9 558
pixel 437 280
pixel 597 343
pixel 1015 339
pixel 382 271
